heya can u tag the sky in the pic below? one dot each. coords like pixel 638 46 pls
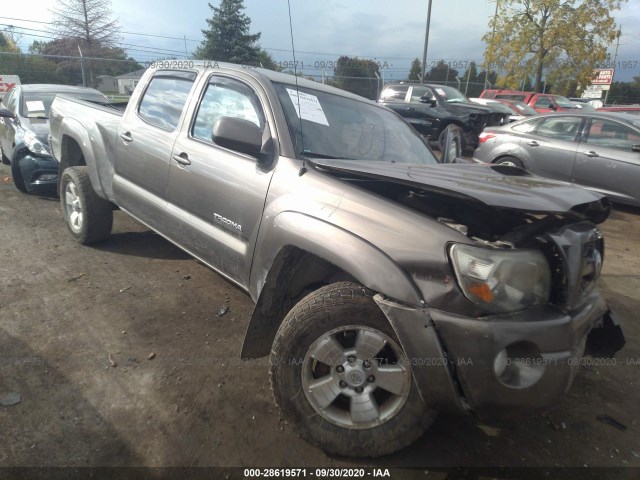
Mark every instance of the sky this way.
pixel 391 32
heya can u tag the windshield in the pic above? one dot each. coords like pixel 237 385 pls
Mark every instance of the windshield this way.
pixel 332 126
pixel 38 104
pixel 564 102
pixel 450 94
pixel 524 108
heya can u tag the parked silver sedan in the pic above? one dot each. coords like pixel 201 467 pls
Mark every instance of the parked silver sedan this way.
pixel 599 151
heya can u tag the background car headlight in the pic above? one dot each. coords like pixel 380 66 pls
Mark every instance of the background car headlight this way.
pixel 35 145
pixel 502 280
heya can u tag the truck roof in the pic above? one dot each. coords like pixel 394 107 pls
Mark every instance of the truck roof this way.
pixel 273 76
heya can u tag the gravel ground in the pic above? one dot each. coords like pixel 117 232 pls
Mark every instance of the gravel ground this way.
pixel 121 359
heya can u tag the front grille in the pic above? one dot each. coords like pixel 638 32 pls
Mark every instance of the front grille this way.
pixel 575 255
pixel 559 281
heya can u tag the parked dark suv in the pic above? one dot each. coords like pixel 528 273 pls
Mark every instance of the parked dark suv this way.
pixel 431 108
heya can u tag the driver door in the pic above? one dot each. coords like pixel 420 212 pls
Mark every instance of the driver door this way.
pixel 216 195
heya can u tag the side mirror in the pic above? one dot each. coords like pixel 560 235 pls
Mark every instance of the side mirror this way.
pixel 635 148
pixel 237 134
pixel 552 106
pixel 428 99
pixel 452 148
pixel 4 113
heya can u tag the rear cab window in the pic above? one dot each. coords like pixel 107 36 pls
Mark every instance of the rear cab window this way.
pixel 164 99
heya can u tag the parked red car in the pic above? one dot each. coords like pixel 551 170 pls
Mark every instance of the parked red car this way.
pixel 541 102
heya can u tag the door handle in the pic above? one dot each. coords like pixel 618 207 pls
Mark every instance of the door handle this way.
pixel 533 143
pixel 591 153
pixel 126 137
pixel 182 159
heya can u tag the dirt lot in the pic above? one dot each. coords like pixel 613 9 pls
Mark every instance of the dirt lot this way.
pixel 121 359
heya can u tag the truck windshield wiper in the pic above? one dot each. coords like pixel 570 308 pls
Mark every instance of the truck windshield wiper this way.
pixel 307 153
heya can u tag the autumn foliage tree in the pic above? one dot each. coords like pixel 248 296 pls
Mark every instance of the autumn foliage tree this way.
pixel 551 39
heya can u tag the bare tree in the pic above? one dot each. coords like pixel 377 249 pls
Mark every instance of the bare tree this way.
pixel 89 25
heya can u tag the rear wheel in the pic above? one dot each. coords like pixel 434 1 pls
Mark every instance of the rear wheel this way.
pixel 341 378
pixel 509 161
pixel 16 173
pixel 88 217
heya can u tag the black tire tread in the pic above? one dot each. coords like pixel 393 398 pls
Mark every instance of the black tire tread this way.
pixel 98 212
pixel 369 443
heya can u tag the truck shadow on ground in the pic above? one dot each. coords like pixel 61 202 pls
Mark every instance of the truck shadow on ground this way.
pixel 142 244
pixel 54 424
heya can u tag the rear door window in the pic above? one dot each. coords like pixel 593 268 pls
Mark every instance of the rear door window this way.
pixel 395 93
pixel 165 98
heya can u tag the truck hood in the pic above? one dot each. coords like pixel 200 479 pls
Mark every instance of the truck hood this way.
pixel 493 185
pixel 467 107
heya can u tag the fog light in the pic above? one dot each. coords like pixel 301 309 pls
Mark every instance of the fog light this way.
pixel 500 363
pixel 47 177
pixel 520 365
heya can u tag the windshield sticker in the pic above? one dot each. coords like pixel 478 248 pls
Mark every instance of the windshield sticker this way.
pixel 35 106
pixel 308 108
pixel 441 92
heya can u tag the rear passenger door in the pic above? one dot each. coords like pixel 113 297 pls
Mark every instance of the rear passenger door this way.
pixel 216 195
pixel 143 146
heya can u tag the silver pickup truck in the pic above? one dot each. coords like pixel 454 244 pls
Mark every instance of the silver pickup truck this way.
pixel 387 286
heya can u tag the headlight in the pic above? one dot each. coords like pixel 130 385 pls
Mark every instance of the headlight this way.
pixel 35 145
pixel 502 280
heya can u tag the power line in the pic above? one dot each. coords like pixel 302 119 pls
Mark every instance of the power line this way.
pixel 160 50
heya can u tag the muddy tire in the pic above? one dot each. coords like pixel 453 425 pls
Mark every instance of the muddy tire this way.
pixel 510 161
pixel 88 217
pixel 16 173
pixel 341 378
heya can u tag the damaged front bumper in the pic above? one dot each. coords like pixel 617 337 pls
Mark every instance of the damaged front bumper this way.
pixel 523 360
pixel 40 173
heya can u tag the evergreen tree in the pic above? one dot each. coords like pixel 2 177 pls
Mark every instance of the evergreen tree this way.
pixel 416 70
pixel 228 38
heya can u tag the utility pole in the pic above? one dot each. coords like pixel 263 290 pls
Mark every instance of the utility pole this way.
pixel 493 34
pixel 615 58
pixel 84 77
pixel 426 44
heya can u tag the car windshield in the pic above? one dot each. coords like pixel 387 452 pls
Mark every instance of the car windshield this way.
pixel 450 94
pixel 564 102
pixel 325 125
pixel 524 108
pixel 38 104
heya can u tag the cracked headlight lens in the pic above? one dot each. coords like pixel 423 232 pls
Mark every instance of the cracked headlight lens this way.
pixel 502 281
pixel 35 145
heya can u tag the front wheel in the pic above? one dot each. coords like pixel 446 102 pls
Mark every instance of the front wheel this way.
pixel 88 217
pixel 340 377
pixel 510 162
